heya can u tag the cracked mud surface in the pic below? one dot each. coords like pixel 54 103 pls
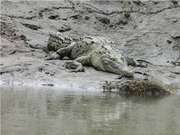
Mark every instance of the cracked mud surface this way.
pixel 150 32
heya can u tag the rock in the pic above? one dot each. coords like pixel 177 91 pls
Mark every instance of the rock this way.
pixel 175 3
pixel 130 61
pixel 175 35
pixel 86 17
pixel 127 15
pixel 76 16
pixel 122 22
pixel 143 88
pixel 48 84
pixel 155 2
pixel 53 17
pixel 138 2
pixel 175 63
pixel 174 20
pixel 103 20
pixel 23 37
pixel 64 28
pixel 169 41
pixel 31 26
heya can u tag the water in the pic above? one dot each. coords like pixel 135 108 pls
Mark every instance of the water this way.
pixel 53 112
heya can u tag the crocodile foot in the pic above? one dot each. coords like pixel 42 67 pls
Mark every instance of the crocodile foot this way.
pixel 74 66
pixel 53 56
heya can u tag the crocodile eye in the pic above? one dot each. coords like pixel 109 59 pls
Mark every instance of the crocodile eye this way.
pixel 113 59
pixel 106 62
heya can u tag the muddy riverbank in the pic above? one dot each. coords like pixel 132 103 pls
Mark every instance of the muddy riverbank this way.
pixel 149 32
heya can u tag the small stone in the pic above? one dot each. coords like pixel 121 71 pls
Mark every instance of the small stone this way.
pixel 169 41
pixel 40 69
pixel 122 21
pixel 75 16
pixel 127 15
pixel 137 88
pixel 64 29
pixel 47 73
pixel 87 18
pixel 23 37
pixel 156 45
pixel 174 20
pixel 137 2
pixel 175 2
pixel 48 84
pixel 103 20
pixel 31 26
pixel 53 17
pixel 155 2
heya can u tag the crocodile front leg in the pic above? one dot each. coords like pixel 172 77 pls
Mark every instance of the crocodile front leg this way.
pixel 60 53
pixel 66 51
pixel 53 56
pixel 84 60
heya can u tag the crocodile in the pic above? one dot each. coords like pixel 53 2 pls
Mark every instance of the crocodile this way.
pixel 89 51
pixel 98 53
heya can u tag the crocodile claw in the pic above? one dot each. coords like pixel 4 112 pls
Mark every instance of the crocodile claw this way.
pixel 74 66
pixel 53 56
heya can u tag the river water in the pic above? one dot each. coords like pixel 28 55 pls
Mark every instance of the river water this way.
pixel 26 111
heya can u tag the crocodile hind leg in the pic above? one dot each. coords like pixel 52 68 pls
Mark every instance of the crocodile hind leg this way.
pixel 60 53
pixel 77 64
pixel 74 66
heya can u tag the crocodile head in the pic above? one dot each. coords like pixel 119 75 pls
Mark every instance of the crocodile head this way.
pixel 57 41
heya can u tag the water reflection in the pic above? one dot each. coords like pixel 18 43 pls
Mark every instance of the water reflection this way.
pixel 50 112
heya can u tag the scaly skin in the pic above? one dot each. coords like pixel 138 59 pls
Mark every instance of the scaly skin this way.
pixel 57 41
pixel 95 52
